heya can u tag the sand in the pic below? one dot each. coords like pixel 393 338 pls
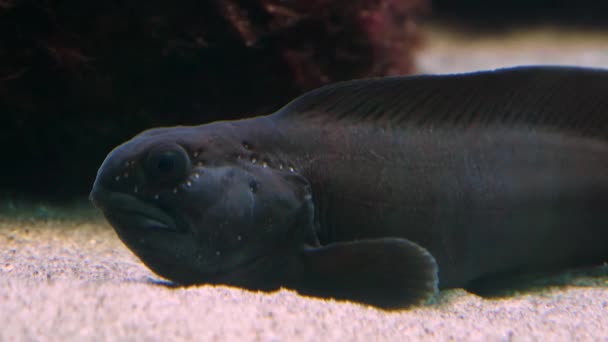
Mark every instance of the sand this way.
pixel 72 279
pixel 65 276
pixel 448 50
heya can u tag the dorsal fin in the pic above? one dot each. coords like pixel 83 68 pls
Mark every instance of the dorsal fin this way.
pixel 570 98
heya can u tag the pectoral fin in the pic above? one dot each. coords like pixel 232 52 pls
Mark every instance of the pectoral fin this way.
pixel 390 273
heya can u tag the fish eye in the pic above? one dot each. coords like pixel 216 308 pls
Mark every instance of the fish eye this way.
pixel 166 164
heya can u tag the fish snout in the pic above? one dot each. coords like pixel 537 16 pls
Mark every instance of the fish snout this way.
pixel 153 171
pixel 94 195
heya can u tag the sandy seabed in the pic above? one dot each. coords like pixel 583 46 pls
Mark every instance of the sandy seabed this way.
pixel 74 280
pixel 65 279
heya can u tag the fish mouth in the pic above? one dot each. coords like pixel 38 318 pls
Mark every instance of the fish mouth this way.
pixel 128 211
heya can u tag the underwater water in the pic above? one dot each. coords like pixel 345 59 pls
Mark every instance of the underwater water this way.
pixel 64 274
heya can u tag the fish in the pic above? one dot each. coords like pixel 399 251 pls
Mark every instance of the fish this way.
pixel 381 191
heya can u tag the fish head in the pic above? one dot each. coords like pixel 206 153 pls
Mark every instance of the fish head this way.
pixel 191 204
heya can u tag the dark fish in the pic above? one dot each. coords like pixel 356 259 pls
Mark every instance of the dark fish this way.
pixel 378 190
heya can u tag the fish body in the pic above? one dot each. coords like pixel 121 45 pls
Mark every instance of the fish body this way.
pixel 378 190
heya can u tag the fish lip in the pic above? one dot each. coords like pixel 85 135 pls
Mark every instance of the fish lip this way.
pixel 121 207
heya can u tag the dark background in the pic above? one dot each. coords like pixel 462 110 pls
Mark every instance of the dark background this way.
pixel 517 12
pixel 77 78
